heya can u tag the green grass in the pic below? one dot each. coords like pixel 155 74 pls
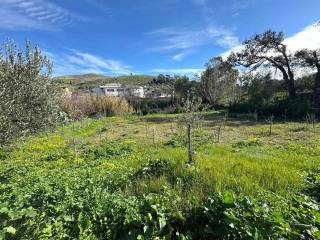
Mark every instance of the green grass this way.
pixel 246 159
pixel 116 155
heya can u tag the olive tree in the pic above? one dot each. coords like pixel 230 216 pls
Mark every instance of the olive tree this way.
pixel 28 102
pixel 267 50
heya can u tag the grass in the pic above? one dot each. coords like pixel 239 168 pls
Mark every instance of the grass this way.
pixel 117 177
pixel 245 160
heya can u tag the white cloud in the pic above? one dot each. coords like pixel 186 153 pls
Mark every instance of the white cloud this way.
pixel 77 62
pixel 34 14
pixel 182 42
pixel 308 38
pixel 182 55
pixel 179 71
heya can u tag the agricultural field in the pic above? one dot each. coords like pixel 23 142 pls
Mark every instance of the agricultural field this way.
pixel 127 177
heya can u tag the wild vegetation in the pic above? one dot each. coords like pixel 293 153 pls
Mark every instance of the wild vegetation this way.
pixel 237 157
pixel 81 106
pixel 127 177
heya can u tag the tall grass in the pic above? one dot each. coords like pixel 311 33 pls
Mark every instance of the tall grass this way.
pixel 87 106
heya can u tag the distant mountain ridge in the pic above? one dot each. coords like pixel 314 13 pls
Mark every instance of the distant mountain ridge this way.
pixel 87 81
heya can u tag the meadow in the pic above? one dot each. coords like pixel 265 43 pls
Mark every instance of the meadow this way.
pixel 127 177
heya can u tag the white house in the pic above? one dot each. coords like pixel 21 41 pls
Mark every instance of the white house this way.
pixel 119 90
pixel 136 91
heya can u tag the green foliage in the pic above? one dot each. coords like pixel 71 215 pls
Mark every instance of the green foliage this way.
pixel 148 106
pixel 247 143
pixel 119 186
pixel 313 184
pixel 28 101
pixel 278 107
pixel 218 80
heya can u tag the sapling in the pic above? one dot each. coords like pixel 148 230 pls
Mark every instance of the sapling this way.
pixel 189 119
pixel 221 126
pixel 311 119
pixel 146 128
pixel 270 122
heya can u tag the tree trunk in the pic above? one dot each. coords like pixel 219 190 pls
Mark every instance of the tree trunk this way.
pixel 190 151
pixel 289 80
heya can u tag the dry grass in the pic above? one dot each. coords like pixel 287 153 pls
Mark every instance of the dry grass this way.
pixel 87 105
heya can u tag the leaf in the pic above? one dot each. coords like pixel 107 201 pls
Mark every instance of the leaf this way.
pixel 162 222
pixel 4 210
pixel 228 198
pixel 10 230
pixel 29 212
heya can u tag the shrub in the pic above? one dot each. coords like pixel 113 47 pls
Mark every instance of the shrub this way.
pixel 155 169
pixel 278 107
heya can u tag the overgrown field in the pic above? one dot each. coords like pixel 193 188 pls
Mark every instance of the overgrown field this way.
pixel 127 178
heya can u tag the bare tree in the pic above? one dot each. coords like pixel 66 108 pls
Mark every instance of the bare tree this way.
pixel 267 50
pixel 311 58
pixel 218 80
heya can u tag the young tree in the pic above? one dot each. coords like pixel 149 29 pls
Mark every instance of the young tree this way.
pixel 311 58
pixel 267 50
pixel 189 119
pixel 28 101
pixel 217 80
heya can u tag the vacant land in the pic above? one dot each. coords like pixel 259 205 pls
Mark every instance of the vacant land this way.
pixel 127 176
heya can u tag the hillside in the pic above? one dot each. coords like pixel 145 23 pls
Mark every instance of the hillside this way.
pixel 86 81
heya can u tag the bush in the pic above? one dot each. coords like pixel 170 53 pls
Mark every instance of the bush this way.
pixel 88 106
pixel 277 107
pixel 148 106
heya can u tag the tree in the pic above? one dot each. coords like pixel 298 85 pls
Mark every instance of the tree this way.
pixel 28 102
pixel 189 119
pixel 260 88
pixel 218 80
pixel 311 58
pixel 184 87
pixel 267 50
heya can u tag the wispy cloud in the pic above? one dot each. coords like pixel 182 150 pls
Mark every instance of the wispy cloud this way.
pixel 180 56
pixel 179 71
pixel 77 62
pixel 34 14
pixel 182 42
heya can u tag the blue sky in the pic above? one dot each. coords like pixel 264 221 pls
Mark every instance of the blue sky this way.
pixel 116 37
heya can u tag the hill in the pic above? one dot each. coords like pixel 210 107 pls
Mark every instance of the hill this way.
pixel 87 81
